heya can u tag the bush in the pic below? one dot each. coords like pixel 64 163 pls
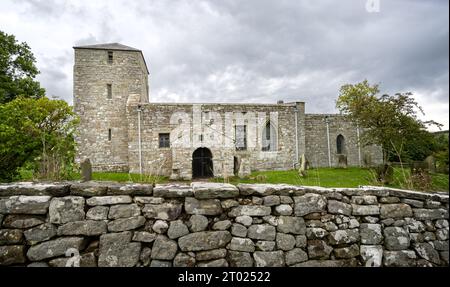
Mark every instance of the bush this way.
pixel 384 173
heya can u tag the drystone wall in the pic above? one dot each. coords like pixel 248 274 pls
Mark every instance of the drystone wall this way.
pixel 212 224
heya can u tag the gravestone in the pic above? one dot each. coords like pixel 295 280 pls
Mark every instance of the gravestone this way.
pixel 302 170
pixel 342 161
pixel 86 170
pixel 431 163
pixel 367 160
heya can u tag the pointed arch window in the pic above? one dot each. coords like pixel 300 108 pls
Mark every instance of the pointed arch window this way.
pixel 340 145
pixel 269 138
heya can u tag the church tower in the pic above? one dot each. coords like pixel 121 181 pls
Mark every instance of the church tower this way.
pixel 106 78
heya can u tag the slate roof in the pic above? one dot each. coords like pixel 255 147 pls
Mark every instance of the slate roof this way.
pixel 108 46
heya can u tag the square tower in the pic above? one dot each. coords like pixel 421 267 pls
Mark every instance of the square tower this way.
pixel 106 78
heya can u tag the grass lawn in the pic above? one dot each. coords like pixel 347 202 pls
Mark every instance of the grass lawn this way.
pixel 334 177
pixel 325 177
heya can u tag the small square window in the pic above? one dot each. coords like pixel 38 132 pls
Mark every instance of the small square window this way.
pixel 109 90
pixel 110 57
pixel 164 140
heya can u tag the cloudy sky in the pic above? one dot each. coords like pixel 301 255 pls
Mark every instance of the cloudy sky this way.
pixel 256 51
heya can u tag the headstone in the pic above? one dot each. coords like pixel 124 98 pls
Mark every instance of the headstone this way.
pixel 342 161
pixel 302 170
pixel 431 163
pixel 86 170
pixel 367 160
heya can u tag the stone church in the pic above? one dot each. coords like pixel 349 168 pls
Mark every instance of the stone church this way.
pixel 121 129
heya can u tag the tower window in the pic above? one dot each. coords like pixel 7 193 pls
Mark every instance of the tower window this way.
pixel 109 134
pixel 241 137
pixel 110 57
pixel 109 90
pixel 164 140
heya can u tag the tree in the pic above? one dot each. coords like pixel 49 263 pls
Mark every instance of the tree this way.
pixel 389 121
pixel 37 132
pixel 17 70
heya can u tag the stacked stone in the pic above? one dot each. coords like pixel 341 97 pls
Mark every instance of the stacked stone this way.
pixel 219 225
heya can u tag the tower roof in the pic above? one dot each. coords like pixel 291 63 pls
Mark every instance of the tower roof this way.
pixel 113 46
pixel 108 46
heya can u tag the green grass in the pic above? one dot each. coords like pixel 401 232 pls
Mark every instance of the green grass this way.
pixel 325 177
pixel 112 176
pixel 335 177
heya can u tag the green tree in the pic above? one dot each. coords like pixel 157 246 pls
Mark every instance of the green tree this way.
pixel 17 70
pixel 389 121
pixel 39 133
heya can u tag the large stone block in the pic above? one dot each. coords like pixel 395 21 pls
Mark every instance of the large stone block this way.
pixel 269 259
pixel 319 249
pixel 338 207
pixel 202 207
pixel 427 252
pixel 172 190
pixel 262 232
pixel 89 188
pixel 205 240
pixel 23 204
pixel 400 210
pixel 10 236
pixel 12 254
pixel 124 211
pixel 207 190
pixel 33 189
pixel 403 258
pixel 66 209
pixel 241 244
pixel 54 248
pixel 363 210
pixel 116 250
pixel 40 233
pixel 164 248
pixel 108 200
pixel 396 238
pixel 240 259
pixel 289 224
pixel 343 236
pixel 370 233
pixel 430 214
pixel 22 221
pixel 250 210
pixel 309 203
pixel 123 224
pixel 177 229
pixel 85 227
pixel 164 211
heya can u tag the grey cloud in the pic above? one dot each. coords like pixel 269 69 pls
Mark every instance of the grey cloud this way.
pixel 263 50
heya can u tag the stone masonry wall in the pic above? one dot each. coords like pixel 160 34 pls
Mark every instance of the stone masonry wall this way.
pixel 317 146
pixel 212 224
pixel 98 113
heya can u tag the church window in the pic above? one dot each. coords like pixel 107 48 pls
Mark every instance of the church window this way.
pixel 241 137
pixel 340 144
pixel 109 134
pixel 164 140
pixel 269 138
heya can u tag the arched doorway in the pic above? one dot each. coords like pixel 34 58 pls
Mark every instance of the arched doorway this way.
pixel 202 165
